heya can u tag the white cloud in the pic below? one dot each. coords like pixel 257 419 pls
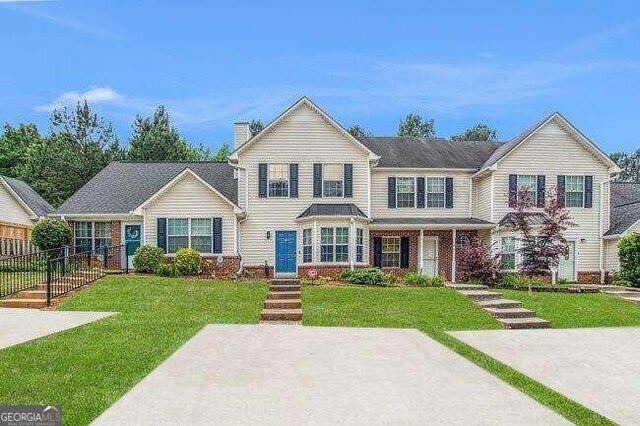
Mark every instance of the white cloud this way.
pixel 93 96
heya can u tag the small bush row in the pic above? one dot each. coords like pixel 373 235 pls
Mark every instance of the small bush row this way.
pixel 368 276
pixel 150 259
pixel 414 279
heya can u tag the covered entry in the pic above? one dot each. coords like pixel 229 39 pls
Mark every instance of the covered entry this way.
pixel 430 256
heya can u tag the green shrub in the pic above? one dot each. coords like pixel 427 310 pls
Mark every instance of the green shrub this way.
pixel 34 266
pixel 147 259
pixel 50 233
pixel 414 279
pixel 188 261
pixel 629 253
pixel 511 280
pixel 369 276
pixel 168 270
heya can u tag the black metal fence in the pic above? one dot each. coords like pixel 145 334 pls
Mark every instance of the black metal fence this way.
pixel 58 272
pixel 10 247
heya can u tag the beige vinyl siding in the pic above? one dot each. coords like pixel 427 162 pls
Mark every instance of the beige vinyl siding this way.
pixel 482 197
pixel 11 210
pixel 552 151
pixel 190 198
pixel 611 259
pixel 305 138
pixel 379 190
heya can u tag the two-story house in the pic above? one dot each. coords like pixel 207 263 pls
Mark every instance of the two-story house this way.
pixel 305 194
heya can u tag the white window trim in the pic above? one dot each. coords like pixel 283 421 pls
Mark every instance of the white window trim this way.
pixel 310 245
pixel 334 245
pixel 93 234
pixel 426 192
pixel 533 189
pixel 189 235
pixel 399 252
pixel 269 181
pixel 584 191
pixel 516 242
pixel 359 245
pixel 323 180
pixel 415 192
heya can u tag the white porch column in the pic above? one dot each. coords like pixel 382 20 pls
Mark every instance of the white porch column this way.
pixel 352 244
pixel 421 252
pixel 453 257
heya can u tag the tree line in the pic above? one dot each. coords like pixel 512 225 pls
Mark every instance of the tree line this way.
pixel 80 143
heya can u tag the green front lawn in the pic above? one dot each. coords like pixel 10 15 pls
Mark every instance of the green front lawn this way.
pixel 570 310
pixel 89 368
pixel 433 311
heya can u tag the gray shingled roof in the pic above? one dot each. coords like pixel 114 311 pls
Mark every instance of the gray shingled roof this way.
pixel 434 153
pixel 345 209
pixel 625 206
pixel 430 221
pixel 30 197
pixel 122 186
pixel 535 219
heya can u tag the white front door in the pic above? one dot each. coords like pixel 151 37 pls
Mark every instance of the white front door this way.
pixel 567 266
pixel 430 257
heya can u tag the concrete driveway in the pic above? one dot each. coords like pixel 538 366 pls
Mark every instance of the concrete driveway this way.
pixel 597 367
pixel 286 375
pixel 21 325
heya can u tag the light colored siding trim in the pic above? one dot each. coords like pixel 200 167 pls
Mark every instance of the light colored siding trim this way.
pixel 11 210
pixel 303 138
pixel 611 259
pixel 191 199
pixel 482 198
pixel 379 204
pixel 552 151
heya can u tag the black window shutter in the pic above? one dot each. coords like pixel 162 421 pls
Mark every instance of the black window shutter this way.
pixel 541 190
pixel 217 235
pixel 262 180
pixel 404 252
pixel 293 181
pixel 317 180
pixel 162 233
pixel 560 190
pixel 513 190
pixel 348 180
pixel 391 189
pixel 377 251
pixel 588 191
pixel 420 192
pixel 448 188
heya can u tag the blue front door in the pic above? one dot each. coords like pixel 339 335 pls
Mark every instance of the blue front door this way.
pixel 285 252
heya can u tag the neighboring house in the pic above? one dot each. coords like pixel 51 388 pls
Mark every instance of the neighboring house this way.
pixel 304 194
pixel 625 219
pixel 20 208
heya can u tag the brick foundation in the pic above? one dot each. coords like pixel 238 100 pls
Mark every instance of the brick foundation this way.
pixel 589 277
pixel 258 271
pixel 211 268
pixel 333 272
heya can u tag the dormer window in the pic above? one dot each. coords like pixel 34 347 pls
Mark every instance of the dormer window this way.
pixel 278 180
pixel 332 180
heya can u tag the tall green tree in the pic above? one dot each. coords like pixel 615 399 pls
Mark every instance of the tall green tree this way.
pixel 14 143
pixel 80 144
pixel 359 132
pixel 479 132
pixel 155 139
pixel 255 127
pixel 413 125
pixel 630 165
pixel 222 156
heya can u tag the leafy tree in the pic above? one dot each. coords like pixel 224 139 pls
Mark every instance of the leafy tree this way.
pixel 479 132
pixel 200 153
pixel 630 165
pixel 222 156
pixel 478 263
pixel 629 252
pixel 155 139
pixel 255 127
pixel 14 143
pixel 80 144
pixel 359 132
pixel 413 125
pixel 51 233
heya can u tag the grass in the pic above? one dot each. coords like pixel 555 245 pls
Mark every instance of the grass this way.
pixel 433 311
pixel 88 368
pixel 570 310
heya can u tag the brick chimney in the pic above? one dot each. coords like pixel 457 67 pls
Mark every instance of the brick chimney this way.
pixel 241 133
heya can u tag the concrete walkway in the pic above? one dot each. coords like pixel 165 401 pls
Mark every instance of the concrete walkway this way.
pixel 597 367
pixel 21 325
pixel 275 375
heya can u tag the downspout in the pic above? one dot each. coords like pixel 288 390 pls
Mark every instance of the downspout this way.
pixel 238 222
pixel 600 227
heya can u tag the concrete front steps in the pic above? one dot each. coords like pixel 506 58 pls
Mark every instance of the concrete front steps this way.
pixel 509 313
pixel 36 297
pixel 283 304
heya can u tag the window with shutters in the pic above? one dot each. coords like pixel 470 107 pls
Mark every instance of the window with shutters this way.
pixel 196 233
pixel 508 254
pixel 390 252
pixel 332 180
pixel 574 191
pixel 527 187
pixel 435 192
pixel 405 192
pixel 278 180
pixel 92 236
pixel 334 244
pixel 307 246
pixel 359 245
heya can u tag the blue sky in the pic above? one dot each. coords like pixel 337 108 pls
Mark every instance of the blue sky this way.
pixel 505 63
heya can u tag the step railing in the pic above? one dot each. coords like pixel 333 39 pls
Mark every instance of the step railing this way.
pixel 25 272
